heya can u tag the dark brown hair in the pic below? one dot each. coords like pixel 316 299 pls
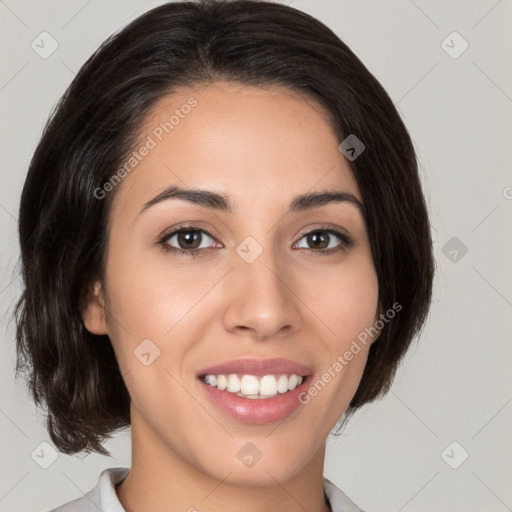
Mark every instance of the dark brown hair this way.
pixel 63 225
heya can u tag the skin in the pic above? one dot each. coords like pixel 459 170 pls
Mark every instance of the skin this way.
pixel 261 147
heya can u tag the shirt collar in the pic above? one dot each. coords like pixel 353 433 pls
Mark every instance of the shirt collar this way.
pixel 105 492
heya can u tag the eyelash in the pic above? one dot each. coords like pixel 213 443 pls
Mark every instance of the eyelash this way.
pixel 346 241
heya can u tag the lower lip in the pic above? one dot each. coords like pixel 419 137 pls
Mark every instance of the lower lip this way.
pixel 256 410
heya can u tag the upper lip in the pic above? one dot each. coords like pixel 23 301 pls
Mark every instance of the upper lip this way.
pixel 258 367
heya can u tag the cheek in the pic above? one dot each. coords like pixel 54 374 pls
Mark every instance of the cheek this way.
pixel 347 304
pixel 148 296
pixel 346 300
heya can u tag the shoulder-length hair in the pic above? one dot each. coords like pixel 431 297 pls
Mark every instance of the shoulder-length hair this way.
pixel 63 228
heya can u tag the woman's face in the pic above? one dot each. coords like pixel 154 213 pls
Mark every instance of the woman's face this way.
pixel 260 286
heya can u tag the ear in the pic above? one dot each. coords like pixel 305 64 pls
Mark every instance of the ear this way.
pixel 93 310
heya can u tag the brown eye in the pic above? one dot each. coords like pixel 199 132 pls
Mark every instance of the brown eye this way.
pixel 186 240
pixel 318 239
pixel 323 240
pixel 189 239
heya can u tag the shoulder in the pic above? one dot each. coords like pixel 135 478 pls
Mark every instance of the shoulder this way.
pixel 102 497
pixel 338 500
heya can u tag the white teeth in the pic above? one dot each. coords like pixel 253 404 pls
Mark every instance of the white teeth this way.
pixel 222 382
pixel 233 383
pixel 251 386
pixel 282 384
pixel 268 385
pixel 292 381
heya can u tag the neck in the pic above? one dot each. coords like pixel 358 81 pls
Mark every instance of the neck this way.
pixel 161 480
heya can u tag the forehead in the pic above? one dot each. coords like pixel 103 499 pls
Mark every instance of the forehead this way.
pixel 260 146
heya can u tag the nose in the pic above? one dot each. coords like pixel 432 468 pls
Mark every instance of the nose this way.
pixel 262 301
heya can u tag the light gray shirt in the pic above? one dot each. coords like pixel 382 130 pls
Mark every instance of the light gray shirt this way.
pixel 103 497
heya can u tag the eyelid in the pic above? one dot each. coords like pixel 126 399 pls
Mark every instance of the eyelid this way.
pixel 192 226
pixel 325 227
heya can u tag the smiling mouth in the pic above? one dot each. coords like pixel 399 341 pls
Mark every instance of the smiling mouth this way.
pixel 242 401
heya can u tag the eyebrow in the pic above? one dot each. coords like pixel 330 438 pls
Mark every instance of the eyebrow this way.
pixel 221 202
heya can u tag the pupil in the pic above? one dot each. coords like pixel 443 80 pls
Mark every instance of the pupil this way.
pixel 185 236
pixel 315 236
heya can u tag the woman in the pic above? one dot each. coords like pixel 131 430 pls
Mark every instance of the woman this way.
pixel 225 247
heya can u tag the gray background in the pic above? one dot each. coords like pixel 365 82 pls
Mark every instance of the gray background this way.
pixel 455 384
